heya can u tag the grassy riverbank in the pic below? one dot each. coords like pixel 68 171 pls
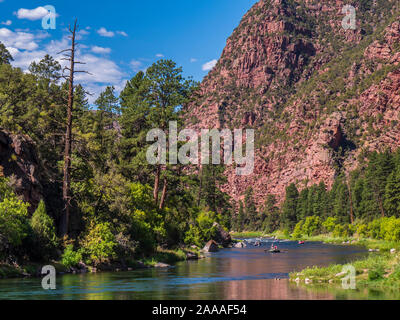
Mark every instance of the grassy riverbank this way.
pixel 380 270
pixel 162 256
pixel 247 234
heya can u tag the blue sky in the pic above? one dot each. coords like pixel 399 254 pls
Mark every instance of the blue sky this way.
pixel 120 38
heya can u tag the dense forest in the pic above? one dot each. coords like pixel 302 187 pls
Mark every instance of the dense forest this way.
pixel 121 208
pixel 365 202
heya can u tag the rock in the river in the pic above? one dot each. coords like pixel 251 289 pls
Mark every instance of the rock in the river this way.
pixel 211 246
pixel 82 267
pixel 192 256
pixel 162 265
pixel 240 245
pixel 222 236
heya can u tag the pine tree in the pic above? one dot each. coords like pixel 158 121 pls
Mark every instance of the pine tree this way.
pixel 289 208
pixel 392 194
pixel 340 200
pixel 5 56
pixel 379 168
pixel 272 217
pixel 250 208
pixel 240 220
pixel 47 69
pixel 303 204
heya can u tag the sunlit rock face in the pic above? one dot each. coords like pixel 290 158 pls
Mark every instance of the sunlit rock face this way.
pixel 310 89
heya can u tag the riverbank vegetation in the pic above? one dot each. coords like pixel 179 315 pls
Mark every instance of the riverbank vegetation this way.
pixel 121 208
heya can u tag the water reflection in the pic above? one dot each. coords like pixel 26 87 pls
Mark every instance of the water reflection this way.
pixel 237 274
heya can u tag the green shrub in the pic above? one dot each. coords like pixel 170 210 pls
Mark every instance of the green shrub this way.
pixel 203 230
pixel 390 229
pixel 376 273
pixel 298 230
pixel 374 229
pixel 99 244
pixel 338 231
pixel 71 258
pixel 14 224
pixel 362 230
pixel 142 232
pixel 312 225
pixel 329 224
pixel 44 232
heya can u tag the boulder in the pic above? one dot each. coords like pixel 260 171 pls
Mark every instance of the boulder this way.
pixel 222 237
pixel 162 265
pixel 211 246
pixel 82 268
pixel 191 256
pixel 240 245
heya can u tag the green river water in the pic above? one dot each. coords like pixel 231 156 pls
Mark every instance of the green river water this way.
pixel 238 274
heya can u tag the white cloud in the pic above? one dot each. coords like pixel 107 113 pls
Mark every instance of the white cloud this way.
pixel 192 60
pixel 33 14
pixel 159 55
pixel 7 23
pixel 18 40
pixel 104 33
pixel 136 65
pixel 100 50
pixel 209 65
pixel 103 71
pixel 122 33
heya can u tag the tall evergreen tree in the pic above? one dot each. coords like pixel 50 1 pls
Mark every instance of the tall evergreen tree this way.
pixel 289 208
pixel 47 69
pixel 271 212
pixel 250 208
pixel 392 194
pixel 5 56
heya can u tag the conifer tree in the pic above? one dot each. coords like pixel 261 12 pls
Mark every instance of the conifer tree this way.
pixel 289 208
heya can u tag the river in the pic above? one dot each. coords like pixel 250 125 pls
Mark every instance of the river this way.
pixel 243 274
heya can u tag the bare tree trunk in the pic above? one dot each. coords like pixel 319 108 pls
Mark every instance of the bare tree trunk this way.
pixel 68 143
pixel 351 203
pixel 157 184
pixel 64 223
pixel 164 194
pixel 381 207
pixel 200 185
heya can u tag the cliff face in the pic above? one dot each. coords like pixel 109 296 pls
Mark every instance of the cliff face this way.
pixel 317 95
pixel 18 160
